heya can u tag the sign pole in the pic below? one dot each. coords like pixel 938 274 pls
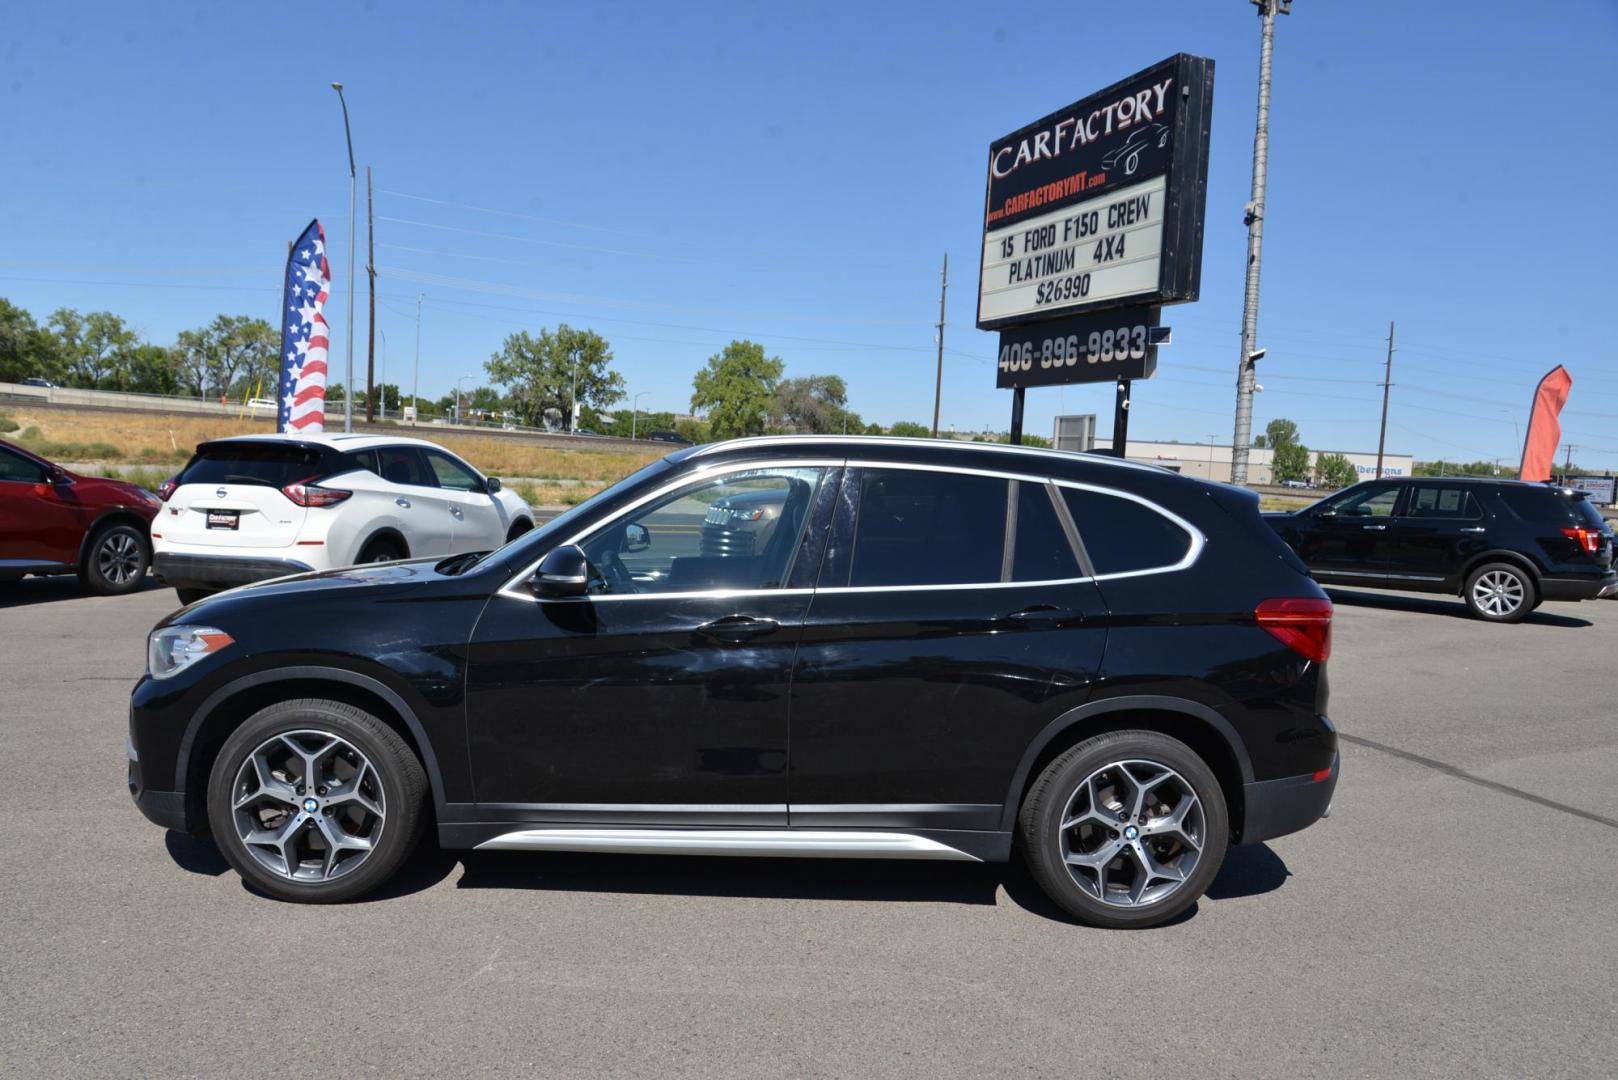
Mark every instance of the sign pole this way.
pixel 1016 416
pixel 1120 419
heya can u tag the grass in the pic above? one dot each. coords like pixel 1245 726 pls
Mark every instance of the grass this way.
pixel 555 494
pixel 87 435
pixel 1282 502
pixel 150 479
pixel 7 424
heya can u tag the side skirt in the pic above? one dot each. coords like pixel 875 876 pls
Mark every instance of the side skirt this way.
pixel 792 843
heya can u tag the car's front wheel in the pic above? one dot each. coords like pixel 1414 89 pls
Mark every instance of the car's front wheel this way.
pixel 1500 592
pixel 117 560
pixel 316 801
pixel 1126 829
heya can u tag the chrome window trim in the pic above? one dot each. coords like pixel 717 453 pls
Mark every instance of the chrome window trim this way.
pixel 512 587
pixel 1192 551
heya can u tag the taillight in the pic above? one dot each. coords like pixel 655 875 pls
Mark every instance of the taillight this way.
pixel 168 487
pixel 1589 539
pixel 1302 625
pixel 303 493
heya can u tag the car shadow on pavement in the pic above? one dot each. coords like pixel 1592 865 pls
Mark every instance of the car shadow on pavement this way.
pixel 193 855
pixel 1432 605
pixel 49 590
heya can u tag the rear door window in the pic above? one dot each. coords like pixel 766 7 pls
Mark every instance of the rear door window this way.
pixel 1042 551
pixel 271 464
pixel 1123 536
pixel 1440 501
pixel 928 528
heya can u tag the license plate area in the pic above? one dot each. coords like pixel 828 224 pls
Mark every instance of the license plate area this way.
pixel 224 519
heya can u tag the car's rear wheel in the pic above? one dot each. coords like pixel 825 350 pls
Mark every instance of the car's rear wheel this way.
pixel 316 801
pixel 1500 592
pixel 116 561
pixel 1125 829
pixel 383 549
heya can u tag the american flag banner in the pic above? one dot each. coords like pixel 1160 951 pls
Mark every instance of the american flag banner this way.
pixel 305 335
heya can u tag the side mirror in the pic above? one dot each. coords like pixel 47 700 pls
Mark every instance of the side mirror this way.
pixel 59 475
pixel 563 572
pixel 491 485
pixel 637 537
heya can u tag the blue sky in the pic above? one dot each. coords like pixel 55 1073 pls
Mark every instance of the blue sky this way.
pixel 678 175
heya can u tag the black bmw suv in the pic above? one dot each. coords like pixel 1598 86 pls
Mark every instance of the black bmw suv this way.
pixel 1504 546
pixel 940 651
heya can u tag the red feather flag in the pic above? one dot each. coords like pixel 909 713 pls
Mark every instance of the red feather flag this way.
pixel 1545 425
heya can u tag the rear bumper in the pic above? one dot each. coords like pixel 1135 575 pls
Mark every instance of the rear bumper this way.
pixel 220 571
pixel 1277 807
pixel 1579 588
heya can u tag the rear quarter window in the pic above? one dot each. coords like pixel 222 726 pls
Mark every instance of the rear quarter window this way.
pixel 1538 506
pixel 1124 536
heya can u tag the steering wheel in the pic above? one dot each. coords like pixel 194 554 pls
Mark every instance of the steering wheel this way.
pixel 616 575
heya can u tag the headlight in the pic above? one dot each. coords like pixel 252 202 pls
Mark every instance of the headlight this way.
pixel 175 648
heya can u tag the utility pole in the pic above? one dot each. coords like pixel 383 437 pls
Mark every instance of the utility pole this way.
pixel 370 270
pixel 1387 381
pixel 1567 464
pixel 1267 10
pixel 938 383
pixel 415 378
pixel 384 375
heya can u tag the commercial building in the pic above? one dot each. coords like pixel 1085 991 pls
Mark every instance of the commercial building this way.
pixel 1211 461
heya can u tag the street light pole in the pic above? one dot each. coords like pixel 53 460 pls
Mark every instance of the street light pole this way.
pixel 415 378
pixel 458 382
pixel 348 371
pixel 1243 438
pixel 384 334
pixel 573 399
pixel 634 411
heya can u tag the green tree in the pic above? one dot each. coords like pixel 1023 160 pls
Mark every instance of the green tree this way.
pixel 230 356
pixel 27 350
pixel 1280 432
pixel 815 405
pixel 539 372
pixel 150 370
pixel 911 429
pixel 736 389
pixel 1028 440
pixel 1291 462
pixel 1335 470
pixel 93 347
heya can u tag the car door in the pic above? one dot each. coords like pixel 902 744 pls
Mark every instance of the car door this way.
pixel 1346 536
pixel 479 519
pixel 40 521
pixel 423 508
pixel 1438 528
pixel 952 620
pixel 660 695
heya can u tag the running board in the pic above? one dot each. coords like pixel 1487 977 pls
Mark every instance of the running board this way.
pixel 801 843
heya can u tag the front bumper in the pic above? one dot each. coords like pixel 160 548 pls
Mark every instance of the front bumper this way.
pixel 1277 807
pixel 1579 588
pixel 220 571
pixel 165 808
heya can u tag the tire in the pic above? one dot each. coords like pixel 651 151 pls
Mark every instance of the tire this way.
pixel 1500 592
pixel 1099 779
pixel 116 561
pixel 383 549
pixel 191 596
pixel 375 785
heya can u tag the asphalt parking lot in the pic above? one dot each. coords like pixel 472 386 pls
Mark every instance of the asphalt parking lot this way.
pixel 1454 917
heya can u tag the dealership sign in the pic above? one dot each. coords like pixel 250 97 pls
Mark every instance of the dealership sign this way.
pixel 1120 344
pixel 1099 205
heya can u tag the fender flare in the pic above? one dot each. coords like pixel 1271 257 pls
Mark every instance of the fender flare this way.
pixel 1517 559
pixel 1106 706
pixel 114 515
pixel 390 532
pixel 182 762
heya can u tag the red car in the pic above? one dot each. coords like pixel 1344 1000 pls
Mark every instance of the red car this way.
pixel 55 522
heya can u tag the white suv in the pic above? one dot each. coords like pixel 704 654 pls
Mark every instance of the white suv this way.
pixel 254 507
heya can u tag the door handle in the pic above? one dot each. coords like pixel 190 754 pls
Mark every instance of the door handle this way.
pixel 456 510
pixel 1043 615
pixel 1474 528
pixel 736 628
pixel 402 503
pixel 1377 528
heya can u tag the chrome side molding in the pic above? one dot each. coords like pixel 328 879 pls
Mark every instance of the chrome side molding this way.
pixel 800 843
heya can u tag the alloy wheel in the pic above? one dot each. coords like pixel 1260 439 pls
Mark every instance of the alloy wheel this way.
pixel 308 806
pixel 118 558
pixel 1498 592
pixel 1132 833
